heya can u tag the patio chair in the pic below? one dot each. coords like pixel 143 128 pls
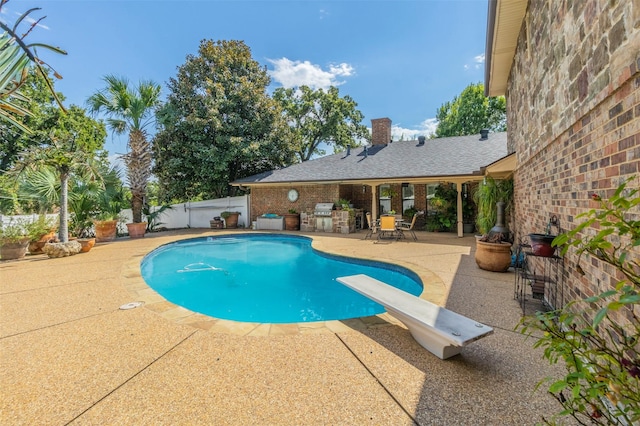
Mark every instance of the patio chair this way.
pixel 373 228
pixel 408 226
pixel 388 228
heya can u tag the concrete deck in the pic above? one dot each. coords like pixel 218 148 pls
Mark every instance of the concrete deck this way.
pixel 69 355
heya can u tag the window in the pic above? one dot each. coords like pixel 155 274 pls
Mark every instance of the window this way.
pixel 408 197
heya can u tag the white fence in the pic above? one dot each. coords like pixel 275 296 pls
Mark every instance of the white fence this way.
pixel 25 218
pixel 195 214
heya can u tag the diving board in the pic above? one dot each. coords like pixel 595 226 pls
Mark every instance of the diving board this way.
pixel 439 330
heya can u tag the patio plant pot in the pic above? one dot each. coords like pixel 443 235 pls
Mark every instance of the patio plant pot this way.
pixel 35 246
pixel 137 230
pixel 87 244
pixel 494 257
pixel 13 250
pixel 105 230
pixel 230 219
pixel 292 221
pixel 541 244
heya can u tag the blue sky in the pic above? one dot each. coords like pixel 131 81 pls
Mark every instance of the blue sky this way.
pixel 399 59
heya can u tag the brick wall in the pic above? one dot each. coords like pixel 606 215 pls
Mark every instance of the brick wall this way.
pixel 573 108
pixel 274 199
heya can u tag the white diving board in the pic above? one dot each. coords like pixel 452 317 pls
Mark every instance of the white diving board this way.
pixel 439 330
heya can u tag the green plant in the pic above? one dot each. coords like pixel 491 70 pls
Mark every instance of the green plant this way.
pixel 408 213
pixel 153 217
pixel 293 211
pixel 598 338
pixel 488 193
pixel 37 228
pixel 343 202
pixel 226 214
pixel 14 232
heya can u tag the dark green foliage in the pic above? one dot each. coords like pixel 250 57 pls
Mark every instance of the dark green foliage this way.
pixel 316 117
pixel 218 125
pixel 471 112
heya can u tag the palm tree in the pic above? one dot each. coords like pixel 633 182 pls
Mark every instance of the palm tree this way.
pixel 63 156
pixel 16 57
pixel 132 111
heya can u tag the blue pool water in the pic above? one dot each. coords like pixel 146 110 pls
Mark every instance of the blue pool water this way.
pixel 265 278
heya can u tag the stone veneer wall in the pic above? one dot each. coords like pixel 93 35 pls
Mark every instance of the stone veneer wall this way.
pixel 573 108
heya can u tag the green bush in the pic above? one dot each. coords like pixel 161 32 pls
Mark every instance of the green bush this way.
pixel 598 338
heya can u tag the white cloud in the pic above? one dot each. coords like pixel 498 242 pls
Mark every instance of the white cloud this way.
pixel 425 128
pixel 303 73
pixel 478 62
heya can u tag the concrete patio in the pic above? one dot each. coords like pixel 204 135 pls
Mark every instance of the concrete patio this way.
pixel 69 355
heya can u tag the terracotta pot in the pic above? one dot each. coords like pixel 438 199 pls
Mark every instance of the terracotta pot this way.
pixel 87 244
pixel 35 247
pixel 105 230
pixel 232 220
pixel 137 230
pixel 292 222
pixel 495 257
pixel 17 250
pixel 541 244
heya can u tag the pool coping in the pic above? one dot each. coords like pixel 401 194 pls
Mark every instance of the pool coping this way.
pixel 434 290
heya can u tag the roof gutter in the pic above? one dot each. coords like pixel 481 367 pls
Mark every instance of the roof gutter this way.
pixel 491 22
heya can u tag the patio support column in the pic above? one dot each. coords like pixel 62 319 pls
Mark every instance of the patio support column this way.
pixel 374 202
pixel 459 209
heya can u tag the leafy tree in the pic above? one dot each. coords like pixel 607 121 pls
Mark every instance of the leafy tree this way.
pixel 130 110
pixel 316 117
pixel 218 124
pixel 39 101
pixel 471 112
pixel 67 144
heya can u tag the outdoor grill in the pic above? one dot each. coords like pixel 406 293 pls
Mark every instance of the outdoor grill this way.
pixel 322 212
pixel 323 209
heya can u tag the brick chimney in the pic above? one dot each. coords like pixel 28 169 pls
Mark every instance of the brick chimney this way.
pixel 380 131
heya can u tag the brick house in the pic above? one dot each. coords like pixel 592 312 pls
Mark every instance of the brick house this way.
pixel 570 71
pixel 386 175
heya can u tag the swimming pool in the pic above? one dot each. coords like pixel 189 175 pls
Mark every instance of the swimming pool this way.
pixel 265 278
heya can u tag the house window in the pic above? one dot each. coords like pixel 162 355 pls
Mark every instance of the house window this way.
pixel 431 193
pixel 385 199
pixel 408 198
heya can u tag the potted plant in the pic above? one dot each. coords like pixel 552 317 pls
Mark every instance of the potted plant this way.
pixel 230 219
pixel 493 248
pixel 292 220
pixel 14 240
pixel 40 232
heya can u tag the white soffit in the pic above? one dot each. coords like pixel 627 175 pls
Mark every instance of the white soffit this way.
pixel 508 21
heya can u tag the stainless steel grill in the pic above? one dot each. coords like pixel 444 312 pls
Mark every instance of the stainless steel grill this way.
pixel 323 209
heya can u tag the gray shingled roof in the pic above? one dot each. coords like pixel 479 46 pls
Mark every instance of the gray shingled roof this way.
pixel 453 156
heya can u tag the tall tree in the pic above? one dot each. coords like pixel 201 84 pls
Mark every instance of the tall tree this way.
pixel 471 112
pixel 218 124
pixel 130 110
pixel 317 117
pixel 68 142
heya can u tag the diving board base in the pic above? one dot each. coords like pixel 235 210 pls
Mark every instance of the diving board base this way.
pixel 442 332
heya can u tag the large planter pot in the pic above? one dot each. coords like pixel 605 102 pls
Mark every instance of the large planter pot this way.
pixel 35 246
pixel 137 230
pixel 292 221
pixel 495 257
pixel 541 244
pixel 105 230
pixel 468 228
pixel 231 221
pixel 14 250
